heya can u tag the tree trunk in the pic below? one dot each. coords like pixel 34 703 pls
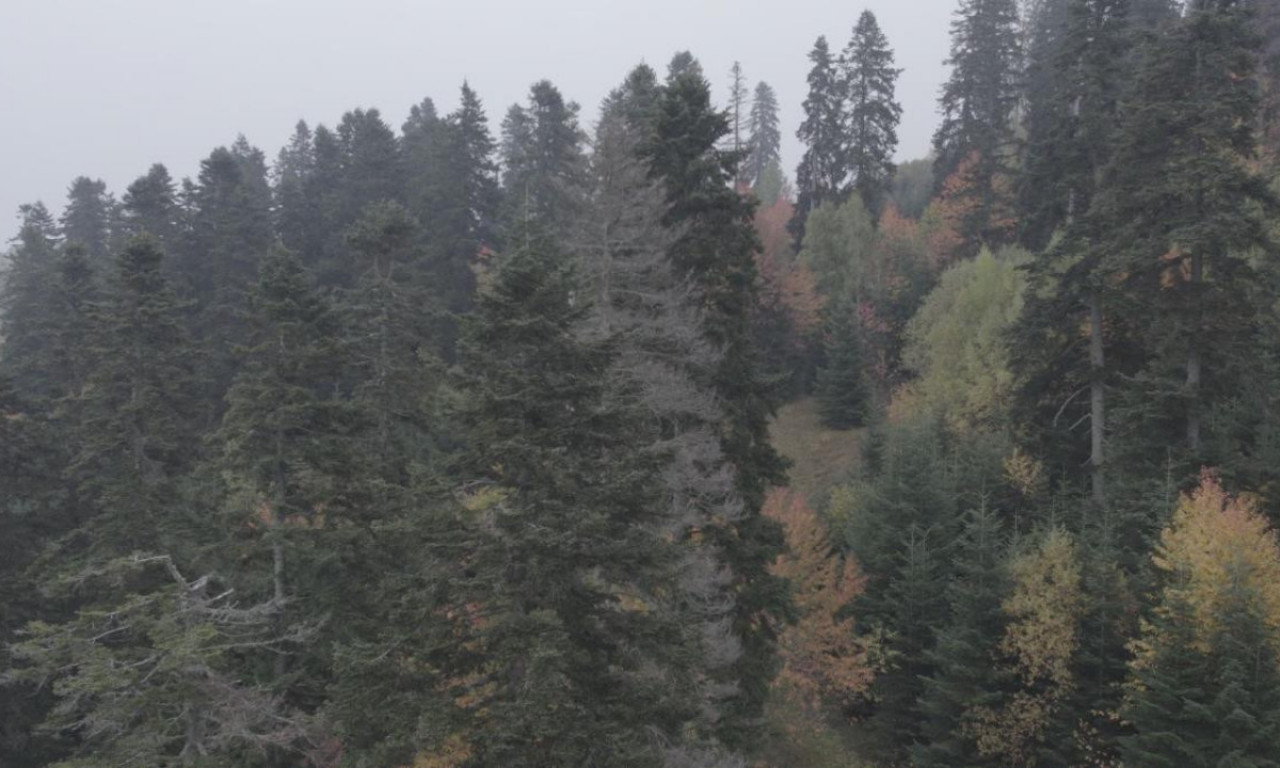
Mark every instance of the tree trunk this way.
pixel 1194 362
pixel 1097 400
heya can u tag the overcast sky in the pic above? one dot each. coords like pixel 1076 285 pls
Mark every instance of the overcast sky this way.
pixel 105 88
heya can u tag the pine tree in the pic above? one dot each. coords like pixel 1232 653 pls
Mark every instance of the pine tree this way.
pixel 821 175
pixel 572 563
pixel 842 388
pixel 978 103
pixel 764 140
pixel 869 84
pixel 714 252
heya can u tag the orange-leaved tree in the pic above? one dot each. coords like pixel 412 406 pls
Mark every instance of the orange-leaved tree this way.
pixel 823 656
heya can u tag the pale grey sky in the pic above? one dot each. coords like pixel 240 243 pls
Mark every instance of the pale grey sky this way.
pixel 105 88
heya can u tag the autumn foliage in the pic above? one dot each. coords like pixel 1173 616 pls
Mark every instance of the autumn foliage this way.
pixel 822 655
pixel 1213 541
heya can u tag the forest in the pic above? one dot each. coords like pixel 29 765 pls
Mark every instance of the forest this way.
pixel 546 441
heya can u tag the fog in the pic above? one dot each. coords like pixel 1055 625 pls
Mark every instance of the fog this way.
pixel 105 89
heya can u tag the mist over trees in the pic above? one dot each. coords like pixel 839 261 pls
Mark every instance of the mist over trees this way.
pixel 467 442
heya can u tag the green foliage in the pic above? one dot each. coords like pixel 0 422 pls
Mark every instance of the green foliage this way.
pixel 956 342
pixel 839 247
pixel 912 187
pixel 842 389
pixel 869 82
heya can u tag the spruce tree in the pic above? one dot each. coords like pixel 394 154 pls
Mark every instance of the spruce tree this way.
pixel 292 172
pixel 137 433
pixel 978 103
pixel 764 140
pixel 1169 713
pixel 542 158
pixel 714 252
pixel 88 217
pixel 150 205
pixel 965 679
pixel 1179 210
pixel 571 566
pixel 842 389
pixel 458 206
pixel 873 113
pixel 820 177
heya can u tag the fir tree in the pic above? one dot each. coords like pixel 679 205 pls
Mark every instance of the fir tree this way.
pixel 150 205
pixel 842 389
pixel 764 140
pixel 869 84
pixel 542 158
pixel 820 177
pixel 136 436
pixel 966 681
pixel 714 252
pixel 88 217
pixel 572 561
pixel 978 103
pixel 1179 210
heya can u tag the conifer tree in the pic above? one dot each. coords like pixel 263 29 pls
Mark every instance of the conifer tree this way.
pixel 965 681
pixel 1180 208
pixel 764 140
pixel 542 158
pixel 842 388
pixel 137 430
pixel 458 207
pixel 88 217
pixel 576 637
pixel 978 103
pixel 282 432
pixel 662 361
pixel 27 304
pixel 869 84
pixel 820 177
pixel 291 174
pixel 150 205
pixel 738 111
pixel 714 252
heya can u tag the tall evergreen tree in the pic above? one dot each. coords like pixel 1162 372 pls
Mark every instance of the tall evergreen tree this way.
pixel 1180 209
pixel 978 103
pixel 150 205
pixel 842 387
pixel 820 177
pixel 88 217
pixel 737 108
pixel 458 207
pixel 542 158
pixel 714 252
pixel 137 432
pixel 291 174
pixel 764 140
pixel 576 636
pixel 965 680
pixel 869 85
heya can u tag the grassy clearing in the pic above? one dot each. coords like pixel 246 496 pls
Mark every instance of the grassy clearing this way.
pixel 820 457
